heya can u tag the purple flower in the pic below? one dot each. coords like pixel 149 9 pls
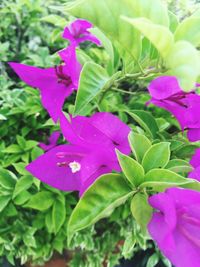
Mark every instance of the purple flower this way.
pixel 166 93
pixel 52 141
pixel 77 32
pixel 195 162
pixel 176 225
pixel 91 152
pixel 102 128
pixel 55 84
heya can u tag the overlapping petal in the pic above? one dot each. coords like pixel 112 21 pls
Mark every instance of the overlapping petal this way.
pixel 77 32
pixel 176 225
pixel 53 89
pixel 52 141
pixel 166 93
pixel 53 167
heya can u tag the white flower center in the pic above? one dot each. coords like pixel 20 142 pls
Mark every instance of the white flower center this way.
pixel 75 166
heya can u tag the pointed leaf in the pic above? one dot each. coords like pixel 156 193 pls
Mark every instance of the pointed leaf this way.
pixel 160 36
pixel 183 61
pixel 160 179
pixel 58 214
pixel 92 80
pixel 141 210
pixel 4 200
pixel 189 30
pixel 139 145
pixel 7 179
pixel 41 201
pixel 145 120
pixel 107 192
pixel 179 165
pixel 22 184
pixel 157 156
pixel 133 171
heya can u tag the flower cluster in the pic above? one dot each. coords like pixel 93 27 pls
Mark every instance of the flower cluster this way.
pixel 92 141
pixel 89 154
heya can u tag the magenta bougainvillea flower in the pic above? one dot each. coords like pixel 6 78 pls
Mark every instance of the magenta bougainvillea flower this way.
pixel 102 128
pixel 176 225
pixel 195 162
pixel 91 152
pixel 55 84
pixel 77 32
pixel 166 93
pixel 52 141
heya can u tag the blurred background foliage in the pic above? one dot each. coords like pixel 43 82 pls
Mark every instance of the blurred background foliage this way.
pixel 33 216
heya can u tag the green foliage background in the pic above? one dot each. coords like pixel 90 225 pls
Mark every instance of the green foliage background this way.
pixel 33 216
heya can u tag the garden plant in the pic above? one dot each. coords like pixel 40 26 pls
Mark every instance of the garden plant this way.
pixel 100 133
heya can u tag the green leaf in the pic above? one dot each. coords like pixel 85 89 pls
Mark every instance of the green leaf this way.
pixel 7 179
pixel 139 145
pixel 48 221
pixel 22 184
pixel 30 144
pixel 188 30
pixel 153 260
pixel 179 165
pixel 55 20
pixel 13 149
pixel 92 81
pixel 58 214
pixel 36 152
pixel 160 179
pixel 22 198
pixel 21 141
pixel 145 120
pixel 129 245
pixel 157 156
pixel 20 168
pixel 4 200
pixel 141 210
pixel 173 19
pixel 41 201
pixel 155 10
pixel 105 194
pixel 183 61
pixel 160 36
pixel 2 117
pixel 133 171
pixel 107 44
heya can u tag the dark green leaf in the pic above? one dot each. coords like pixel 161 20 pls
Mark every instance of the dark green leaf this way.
pixel 22 184
pixel 7 179
pixel 58 214
pixel 4 200
pixel 41 201
pixel 145 120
